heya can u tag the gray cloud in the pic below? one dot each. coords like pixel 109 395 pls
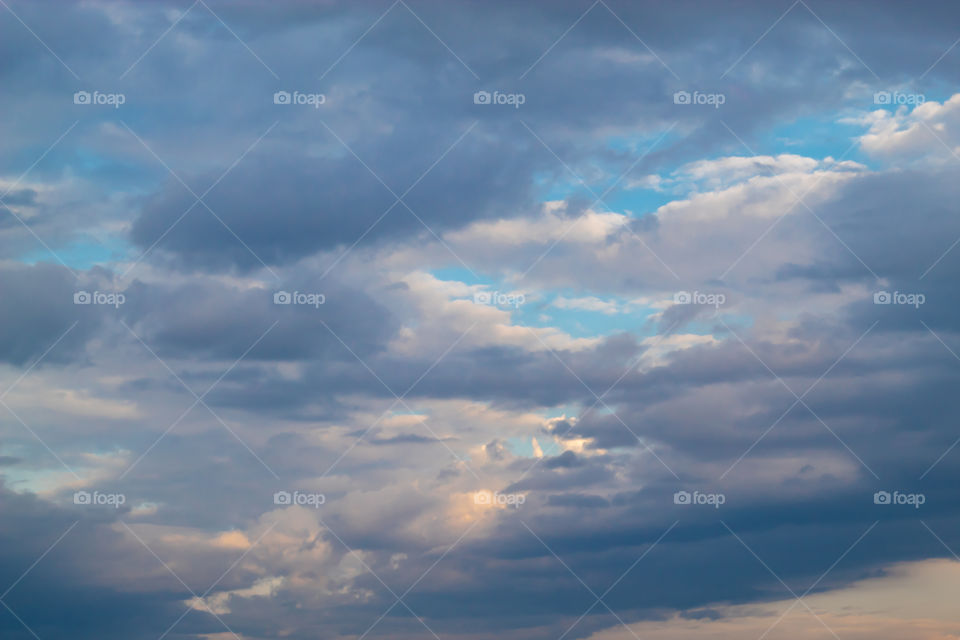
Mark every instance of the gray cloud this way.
pixel 296 409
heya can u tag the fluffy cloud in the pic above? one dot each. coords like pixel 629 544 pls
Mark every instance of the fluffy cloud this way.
pixel 538 325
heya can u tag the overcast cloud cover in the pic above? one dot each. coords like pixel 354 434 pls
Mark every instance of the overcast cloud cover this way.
pixel 479 319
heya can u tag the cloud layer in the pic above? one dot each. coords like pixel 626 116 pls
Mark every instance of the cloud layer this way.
pixel 394 320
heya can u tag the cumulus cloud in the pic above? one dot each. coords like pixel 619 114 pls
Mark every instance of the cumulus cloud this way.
pixel 489 357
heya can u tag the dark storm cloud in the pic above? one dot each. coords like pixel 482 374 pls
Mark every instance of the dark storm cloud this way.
pixel 205 320
pixel 38 313
pixel 285 207
pixel 77 589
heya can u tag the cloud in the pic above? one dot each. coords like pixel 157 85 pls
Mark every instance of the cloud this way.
pixel 38 315
pixel 926 131
pixel 908 599
pixel 500 317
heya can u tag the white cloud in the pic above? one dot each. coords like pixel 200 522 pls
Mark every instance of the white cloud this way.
pixel 551 225
pixel 443 317
pixel 587 303
pixel 929 131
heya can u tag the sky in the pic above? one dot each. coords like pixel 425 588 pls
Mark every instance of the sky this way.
pixel 479 319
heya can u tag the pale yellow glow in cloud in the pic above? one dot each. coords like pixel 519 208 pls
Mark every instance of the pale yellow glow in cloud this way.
pixel 915 600
pixel 77 402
